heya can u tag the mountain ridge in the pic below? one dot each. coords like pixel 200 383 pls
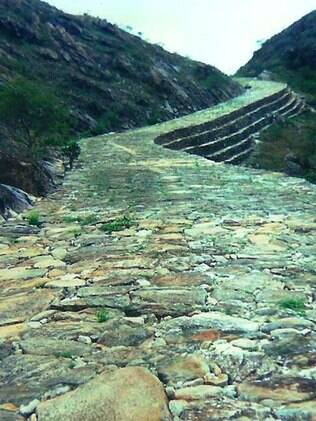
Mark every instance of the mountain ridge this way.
pixel 290 56
pixel 107 75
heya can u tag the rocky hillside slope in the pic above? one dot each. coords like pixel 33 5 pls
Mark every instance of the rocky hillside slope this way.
pixel 111 79
pixel 290 55
pixel 108 78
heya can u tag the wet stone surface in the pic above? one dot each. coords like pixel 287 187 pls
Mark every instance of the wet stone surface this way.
pixel 201 273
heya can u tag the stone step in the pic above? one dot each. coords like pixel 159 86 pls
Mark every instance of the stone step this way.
pixel 236 158
pixel 220 121
pixel 288 105
pixel 293 112
pixel 237 138
pixel 226 138
pixel 240 157
pixel 229 127
pixel 227 152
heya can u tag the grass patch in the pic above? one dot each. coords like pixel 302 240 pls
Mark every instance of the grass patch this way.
pixel 33 218
pixel 295 304
pixel 294 137
pixel 103 315
pixel 117 225
pixel 82 220
pixel 65 355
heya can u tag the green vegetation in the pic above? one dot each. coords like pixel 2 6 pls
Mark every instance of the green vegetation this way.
pixel 82 220
pixel 117 225
pixel 103 315
pixel 33 218
pixel 215 80
pixel 65 355
pixel 302 79
pixel 295 137
pixel 33 116
pixel 295 304
pixel 156 116
pixel 109 121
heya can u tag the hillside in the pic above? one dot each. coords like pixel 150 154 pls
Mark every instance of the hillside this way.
pixel 110 78
pixel 289 146
pixel 290 55
pixel 107 78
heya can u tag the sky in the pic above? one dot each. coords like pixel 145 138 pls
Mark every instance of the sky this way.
pixel 224 33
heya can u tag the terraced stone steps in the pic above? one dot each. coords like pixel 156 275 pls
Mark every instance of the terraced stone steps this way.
pixel 240 157
pixel 225 118
pixel 221 131
pixel 229 138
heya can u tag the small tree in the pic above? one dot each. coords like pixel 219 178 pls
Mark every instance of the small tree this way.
pixel 32 115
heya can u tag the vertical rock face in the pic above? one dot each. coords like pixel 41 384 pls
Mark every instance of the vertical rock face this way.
pixel 127 394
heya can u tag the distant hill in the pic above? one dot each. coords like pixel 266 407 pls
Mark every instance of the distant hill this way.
pixel 289 146
pixel 110 78
pixel 290 55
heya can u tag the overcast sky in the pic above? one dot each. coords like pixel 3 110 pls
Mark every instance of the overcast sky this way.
pixel 219 32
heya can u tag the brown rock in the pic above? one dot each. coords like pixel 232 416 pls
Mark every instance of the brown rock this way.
pixel 184 369
pixel 181 280
pixel 127 394
pixel 206 335
pixel 25 305
pixel 198 392
pixel 257 393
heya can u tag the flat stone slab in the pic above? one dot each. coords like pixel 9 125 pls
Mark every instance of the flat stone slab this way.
pixel 127 394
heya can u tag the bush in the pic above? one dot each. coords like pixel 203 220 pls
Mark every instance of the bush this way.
pixel 103 315
pixel 119 224
pixel 33 218
pixel 295 304
pixel 32 115
pixel 109 121
pixel 296 137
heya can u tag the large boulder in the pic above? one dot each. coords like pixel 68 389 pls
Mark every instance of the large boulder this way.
pixel 131 393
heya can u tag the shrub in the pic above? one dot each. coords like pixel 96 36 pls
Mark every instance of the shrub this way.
pixel 82 220
pixel 294 304
pixel 117 225
pixel 65 355
pixel 33 218
pixel 109 121
pixel 296 137
pixel 32 115
pixel 103 315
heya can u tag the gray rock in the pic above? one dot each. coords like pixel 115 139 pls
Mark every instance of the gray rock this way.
pixel 120 332
pixel 169 301
pixel 58 347
pixel 28 409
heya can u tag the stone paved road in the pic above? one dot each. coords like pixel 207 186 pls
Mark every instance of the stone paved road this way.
pixel 201 272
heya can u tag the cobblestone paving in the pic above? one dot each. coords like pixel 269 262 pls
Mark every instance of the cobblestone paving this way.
pixel 203 273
